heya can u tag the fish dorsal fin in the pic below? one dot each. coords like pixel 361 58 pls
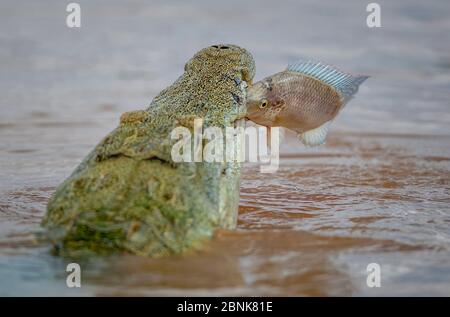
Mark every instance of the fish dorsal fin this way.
pixel 346 84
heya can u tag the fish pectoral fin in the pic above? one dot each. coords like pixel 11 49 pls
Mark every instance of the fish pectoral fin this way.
pixel 315 136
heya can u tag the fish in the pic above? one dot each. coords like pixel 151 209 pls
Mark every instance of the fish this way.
pixel 305 98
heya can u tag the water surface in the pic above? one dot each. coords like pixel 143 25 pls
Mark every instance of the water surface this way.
pixel 378 191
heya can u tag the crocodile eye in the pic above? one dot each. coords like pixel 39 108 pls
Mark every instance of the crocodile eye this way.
pixel 215 46
pixel 263 104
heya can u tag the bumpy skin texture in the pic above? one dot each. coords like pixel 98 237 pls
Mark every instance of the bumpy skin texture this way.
pixel 129 195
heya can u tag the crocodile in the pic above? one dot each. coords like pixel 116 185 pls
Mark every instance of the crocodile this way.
pixel 129 195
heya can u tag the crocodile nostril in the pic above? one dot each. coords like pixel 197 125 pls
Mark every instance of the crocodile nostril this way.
pixel 222 47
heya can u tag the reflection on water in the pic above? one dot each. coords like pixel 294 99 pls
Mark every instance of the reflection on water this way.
pixel 378 191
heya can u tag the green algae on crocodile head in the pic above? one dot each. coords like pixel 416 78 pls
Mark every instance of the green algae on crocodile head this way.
pixel 129 195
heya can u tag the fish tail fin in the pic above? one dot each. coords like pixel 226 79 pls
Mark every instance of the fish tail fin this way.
pixel 346 84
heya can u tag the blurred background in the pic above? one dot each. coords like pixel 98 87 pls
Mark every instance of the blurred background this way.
pixel 378 191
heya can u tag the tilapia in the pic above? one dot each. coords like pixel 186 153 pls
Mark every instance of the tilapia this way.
pixel 305 98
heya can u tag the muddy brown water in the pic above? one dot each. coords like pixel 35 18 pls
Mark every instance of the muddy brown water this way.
pixel 377 192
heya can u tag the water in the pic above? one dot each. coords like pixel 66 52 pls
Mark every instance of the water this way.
pixel 378 191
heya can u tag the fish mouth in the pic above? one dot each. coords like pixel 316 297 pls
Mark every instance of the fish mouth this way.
pixel 239 123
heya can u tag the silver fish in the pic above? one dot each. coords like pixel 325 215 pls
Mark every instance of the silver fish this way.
pixel 304 98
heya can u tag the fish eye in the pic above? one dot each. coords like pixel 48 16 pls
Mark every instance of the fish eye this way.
pixel 263 104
